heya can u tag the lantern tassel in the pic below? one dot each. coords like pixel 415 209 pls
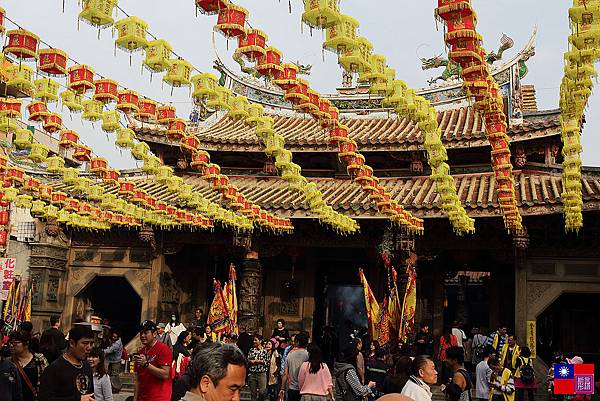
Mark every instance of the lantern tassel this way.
pixel 289 6
pixel 63 6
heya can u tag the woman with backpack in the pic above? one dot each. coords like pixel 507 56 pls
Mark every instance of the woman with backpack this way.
pixel 347 383
pixel 314 378
pixel 524 375
pixel 29 365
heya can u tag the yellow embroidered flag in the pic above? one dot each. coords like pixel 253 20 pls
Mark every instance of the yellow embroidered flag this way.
pixel 218 314
pixel 231 297
pixel 373 309
pixel 409 306
pixel 394 305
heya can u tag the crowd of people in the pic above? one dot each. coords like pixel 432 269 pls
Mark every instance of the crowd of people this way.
pixel 176 363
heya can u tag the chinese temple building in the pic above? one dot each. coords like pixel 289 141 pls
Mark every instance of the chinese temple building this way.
pixel 310 277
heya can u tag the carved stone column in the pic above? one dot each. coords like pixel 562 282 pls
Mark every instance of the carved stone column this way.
pixel 521 243
pixel 250 302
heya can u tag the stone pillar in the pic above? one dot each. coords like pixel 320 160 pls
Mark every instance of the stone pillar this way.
pixel 521 243
pixel 250 294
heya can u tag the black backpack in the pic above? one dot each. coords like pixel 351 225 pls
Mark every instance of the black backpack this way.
pixel 527 372
pixel 342 387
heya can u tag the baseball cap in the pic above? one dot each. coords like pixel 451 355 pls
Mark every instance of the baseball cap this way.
pixel 161 326
pixel 148 325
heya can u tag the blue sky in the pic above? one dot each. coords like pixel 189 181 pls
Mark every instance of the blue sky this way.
pixel 403 31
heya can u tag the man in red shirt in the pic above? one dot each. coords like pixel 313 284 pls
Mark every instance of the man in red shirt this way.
pixel 153 366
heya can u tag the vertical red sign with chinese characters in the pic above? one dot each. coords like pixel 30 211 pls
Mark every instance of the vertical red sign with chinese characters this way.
pixel 7 275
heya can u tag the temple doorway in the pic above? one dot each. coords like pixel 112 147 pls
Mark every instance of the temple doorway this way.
pixel 114 299
pixel 570 324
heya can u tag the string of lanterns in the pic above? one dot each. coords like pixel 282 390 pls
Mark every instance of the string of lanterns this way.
pixel 80 81
pixel 355 55
pixel 231 21
pixel 131 36
pixel 465 49
pixel 575 90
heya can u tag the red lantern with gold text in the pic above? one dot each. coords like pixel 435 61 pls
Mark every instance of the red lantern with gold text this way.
pixel 210 7
pixel 45 192
pixel 22 44
pixel 4 217
pixel 10 107
pixel 81 78
pixel 212 172
pixel 128 101
pixel 190 143
pixel 288 77
pixel 177 129
pixel 82 153
pixel 165 114
pixel 269 65
pixel 3 237
pixel 200 160
pixel 221 183
pixel 52 123
pixel 15 174
pixel 139 196
pixel 71 205
pixel 297 93
pixel 147 110
pixel 252 45
pixel 231 21
pixel 161 207
pixel 37 111
pixel 106 90
pixel 31 184
pixel 347 149
pixel 126 188
pixel 99 166
pixel 68 139
pixel 59 198
pixel 337 134
pixel 111 176
pixel 53 62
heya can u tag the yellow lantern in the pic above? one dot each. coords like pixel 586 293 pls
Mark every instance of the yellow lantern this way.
pixel 63 216
pixel 82 185
pixel 342 35
pixel 96 192
pixel 39 152
pixel 73 100
pixel 45 90
pixel 151 165
pixel 125 138
pixel 92 110
pixel 55 164
pixel 264 127
pixel 51 212
pixel 140 151
pixel 20 77
pixel 375 71
pixel 220 99
pixel 357 59
pixel 70 175
pixel 174 183
pixel 158 53
pixel 132 34
pixel 111 121
pixel 23 138
pixel 164 174
pixel 274 144
pixel 321 13
pixel 108 201
pixel 37 208
pixel 384 87
pixel 204 86
pixel 98 13
pixel 255 113
pixel 178 73
pixel 23 201
pixel 7 125
pixel 238 105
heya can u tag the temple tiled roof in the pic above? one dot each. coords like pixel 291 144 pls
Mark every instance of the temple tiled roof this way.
pixel 461 127
pixel 537 193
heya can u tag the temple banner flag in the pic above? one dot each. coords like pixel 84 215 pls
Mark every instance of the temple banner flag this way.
pixel 373 309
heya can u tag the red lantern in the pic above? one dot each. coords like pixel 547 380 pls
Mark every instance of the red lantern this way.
pixel 106 90
pixel 111 176
pixel 4 217
pixel 150 202
pixel 139 196
pixel 71 205
pixel 229 192
pixel 52 123
pixel 231 21
pixel 31 184
pixel 165 114
pixel 82 153
pixel 37 111
pixel 171 211
pixel 2 14
pixel 147 110
pixel 99 166
pixel 298 93
pixel 81 78
pixel 126 188
pixel 211 6
pixel 212 173
pixel 10 107
pixel 68 139
pixel 288 78
pixel 312 104
pixel 270 64
pixel 252 45
pixel 177 128
pixel 128 101
pixel 161 207
pixel 15 174
pixel 45 192
pixel 324 106
pixel 53 62
pixel 190 143
pixel 339 133
pixel 465 51
pixel 85 209
pixel 3 163
pixel 200 160
pixel 3 237
pixel 59 198
pixel 221 183
pixel 22 44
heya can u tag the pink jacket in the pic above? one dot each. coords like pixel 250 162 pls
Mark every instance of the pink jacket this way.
pixel 315 384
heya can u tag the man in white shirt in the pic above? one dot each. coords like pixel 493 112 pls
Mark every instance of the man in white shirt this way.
pixel 422 375
pixel 458 332
pixel 482 375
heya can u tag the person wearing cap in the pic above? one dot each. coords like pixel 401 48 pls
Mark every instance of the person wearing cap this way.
pixel 70 376
pixel 163 336
pixel 152 366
